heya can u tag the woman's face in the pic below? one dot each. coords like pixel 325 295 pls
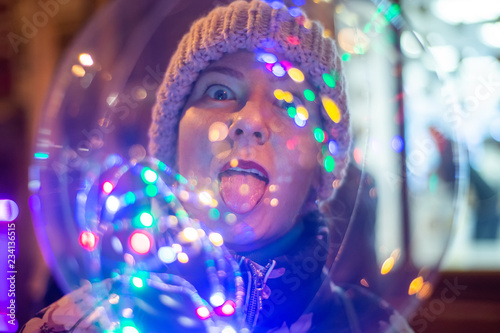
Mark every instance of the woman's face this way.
pixel 238 143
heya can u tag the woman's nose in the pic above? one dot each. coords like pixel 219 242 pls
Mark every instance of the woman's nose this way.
pixel 250 125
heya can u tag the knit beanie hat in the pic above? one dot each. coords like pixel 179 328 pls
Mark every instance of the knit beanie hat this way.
pixel 254 25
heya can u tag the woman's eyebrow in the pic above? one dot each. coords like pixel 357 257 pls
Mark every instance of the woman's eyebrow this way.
pixel 224 70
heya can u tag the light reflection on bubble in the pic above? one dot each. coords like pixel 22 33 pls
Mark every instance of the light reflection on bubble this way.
pixel 387 266
pixel 274 202
pixel 167 254
pixel 230 218
pixel 116 244
pixel 182 257
pixel 112 204
pixel 190 234
pixel 214 214
pixel 78 71
pixel 416 285
pixel 177 248
pixel 244 189
pixel 140 242
pixel 184 195
pixel 234 163
pixel 113 299
pixel 205 198
pixel 273 188
pixel 86 59
pixel 107 187
pixel 358 155
pixel 216 238
pixel 218 131
pixel 146 219
pixel 397 144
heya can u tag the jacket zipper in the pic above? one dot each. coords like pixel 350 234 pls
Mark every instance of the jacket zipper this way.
pixel 258 283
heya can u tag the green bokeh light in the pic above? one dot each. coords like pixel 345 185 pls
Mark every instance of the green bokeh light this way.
pixel 214 214
pixel 129 198
pixel 309 95
pixel 329 164
pixel 319 135
pixel 329 80
pixel 151 190
pixel 292 111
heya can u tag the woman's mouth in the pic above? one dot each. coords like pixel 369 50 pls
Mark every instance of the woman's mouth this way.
pixel 243 186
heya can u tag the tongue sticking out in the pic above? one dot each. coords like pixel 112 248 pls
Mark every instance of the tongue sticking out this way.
pixel 241 191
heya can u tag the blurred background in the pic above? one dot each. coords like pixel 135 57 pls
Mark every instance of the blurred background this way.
pixel 463 38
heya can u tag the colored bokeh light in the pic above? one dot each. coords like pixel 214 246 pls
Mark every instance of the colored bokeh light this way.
pixel 294 40
pixel 129 198
pixel 41 156
pixel 268 58
pixel 309 95
pixel 387 266
pixel 217 299
pixel 333 147
pixel 292 112
pixel 300 121
pixel 329 80
pixel 294 11
pixel 190 234
pixel 214 214
pixel 216 238
pixel 296 74
pixel 167 254
pixel 279 94
pixel 112 204
pixel 146 219
pixel 278 70
pixel 88 240
pixel 8 210
pixel 182 257
pixel 130 329
pixel 149 176
pixel 329 164
pixel 229 308
pixel 203 312
pixel 140 242
pixel 331 109
pixel 151 190
pixel 86 59
pixel 302 113
pixel 416 285
pixel 107 187
pixel 358 155
pixel 397 144
pixel 137 281
pixel 319 135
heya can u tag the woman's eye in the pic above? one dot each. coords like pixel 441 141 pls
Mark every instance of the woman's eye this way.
pixel 220 92
pixel 286 105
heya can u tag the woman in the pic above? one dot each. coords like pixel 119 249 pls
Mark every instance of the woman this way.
pixel 252 111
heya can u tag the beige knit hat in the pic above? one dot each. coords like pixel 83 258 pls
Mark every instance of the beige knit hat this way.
pixel 252 26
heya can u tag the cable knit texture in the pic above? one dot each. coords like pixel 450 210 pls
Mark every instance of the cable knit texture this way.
pixel 251 26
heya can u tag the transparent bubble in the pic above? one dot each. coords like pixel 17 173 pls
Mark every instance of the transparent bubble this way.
pixel 131 219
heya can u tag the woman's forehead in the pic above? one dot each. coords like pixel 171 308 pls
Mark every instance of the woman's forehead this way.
pixel 240 64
